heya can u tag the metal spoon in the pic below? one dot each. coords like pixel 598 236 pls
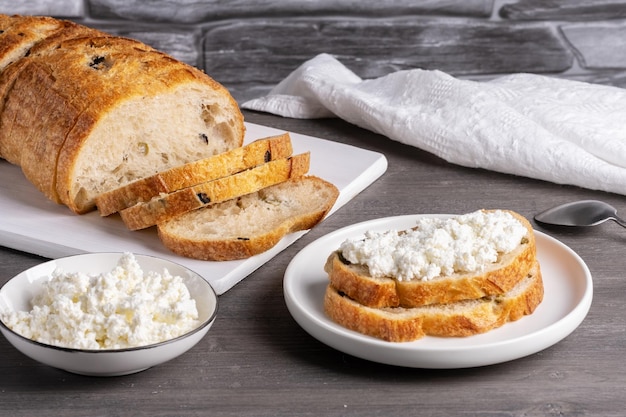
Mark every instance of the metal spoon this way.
pixel 580 213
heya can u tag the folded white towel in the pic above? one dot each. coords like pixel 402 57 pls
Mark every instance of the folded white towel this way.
pixel 558 130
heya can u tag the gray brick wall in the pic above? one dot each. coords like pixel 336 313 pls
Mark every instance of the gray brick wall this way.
pixel 250 45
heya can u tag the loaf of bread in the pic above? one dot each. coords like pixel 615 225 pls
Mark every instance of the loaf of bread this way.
pixel 356 281
pixel 96 120
pixel 196 172
pixel 84 112
pixel 251 224
pixel 456 319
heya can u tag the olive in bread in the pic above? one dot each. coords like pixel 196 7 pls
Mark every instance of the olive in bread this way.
pixel 251 224
pixel 168 206
pixel 457 319
pixel 357 281
pixel 196 172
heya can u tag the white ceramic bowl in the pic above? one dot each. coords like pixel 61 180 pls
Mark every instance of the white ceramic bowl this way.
pixel 18 291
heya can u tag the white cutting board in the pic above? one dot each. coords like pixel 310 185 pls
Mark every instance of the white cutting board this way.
pixel 31 223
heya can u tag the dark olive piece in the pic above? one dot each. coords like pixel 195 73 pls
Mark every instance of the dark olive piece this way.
pixel 96 61
pixel 204 198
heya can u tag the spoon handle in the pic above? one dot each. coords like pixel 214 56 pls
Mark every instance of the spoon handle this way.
pixel 619 221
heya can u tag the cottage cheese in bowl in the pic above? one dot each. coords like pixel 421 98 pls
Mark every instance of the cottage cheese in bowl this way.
pixel 106 313
pixel 117 309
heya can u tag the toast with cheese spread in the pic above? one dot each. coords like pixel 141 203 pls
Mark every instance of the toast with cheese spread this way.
pixel 494 278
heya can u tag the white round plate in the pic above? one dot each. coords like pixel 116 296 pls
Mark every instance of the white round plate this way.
pixel 568 291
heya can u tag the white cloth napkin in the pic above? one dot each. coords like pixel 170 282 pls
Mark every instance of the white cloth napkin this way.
pixel 558 130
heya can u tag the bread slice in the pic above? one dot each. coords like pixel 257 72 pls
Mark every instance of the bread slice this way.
pixel 457 319
pixel 193 173
pixel 95 113
pixel 251 224
pixel 355 281
pixel 18 34
pixel 168 206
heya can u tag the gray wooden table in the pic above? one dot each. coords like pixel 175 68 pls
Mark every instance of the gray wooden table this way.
pixel 256 360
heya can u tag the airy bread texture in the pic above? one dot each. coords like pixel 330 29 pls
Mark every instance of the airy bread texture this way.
pixel 250 224
pixel 168 206
pixel 193 173
pixel 457 319
pixel 87 112
pixel 355 281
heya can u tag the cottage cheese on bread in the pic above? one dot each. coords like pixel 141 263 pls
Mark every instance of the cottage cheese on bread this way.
pixel 118 309
pixel 447 277
pixel 437 246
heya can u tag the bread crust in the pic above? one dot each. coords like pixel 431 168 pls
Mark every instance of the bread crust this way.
pixel 181 237
pixel 11 144
pixel 458 319
pixel 355 281
pixel 193 173
pixel 168 206
pixel 18 34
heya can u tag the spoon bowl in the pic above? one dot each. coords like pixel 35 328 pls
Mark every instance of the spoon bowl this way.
pixel 580 214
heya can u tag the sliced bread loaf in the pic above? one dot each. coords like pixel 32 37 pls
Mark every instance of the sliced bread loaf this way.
pixel 193 173
pixel 461 318
pixel 168 206
pixel 251 224
pixel 356 281
pixel 94 113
